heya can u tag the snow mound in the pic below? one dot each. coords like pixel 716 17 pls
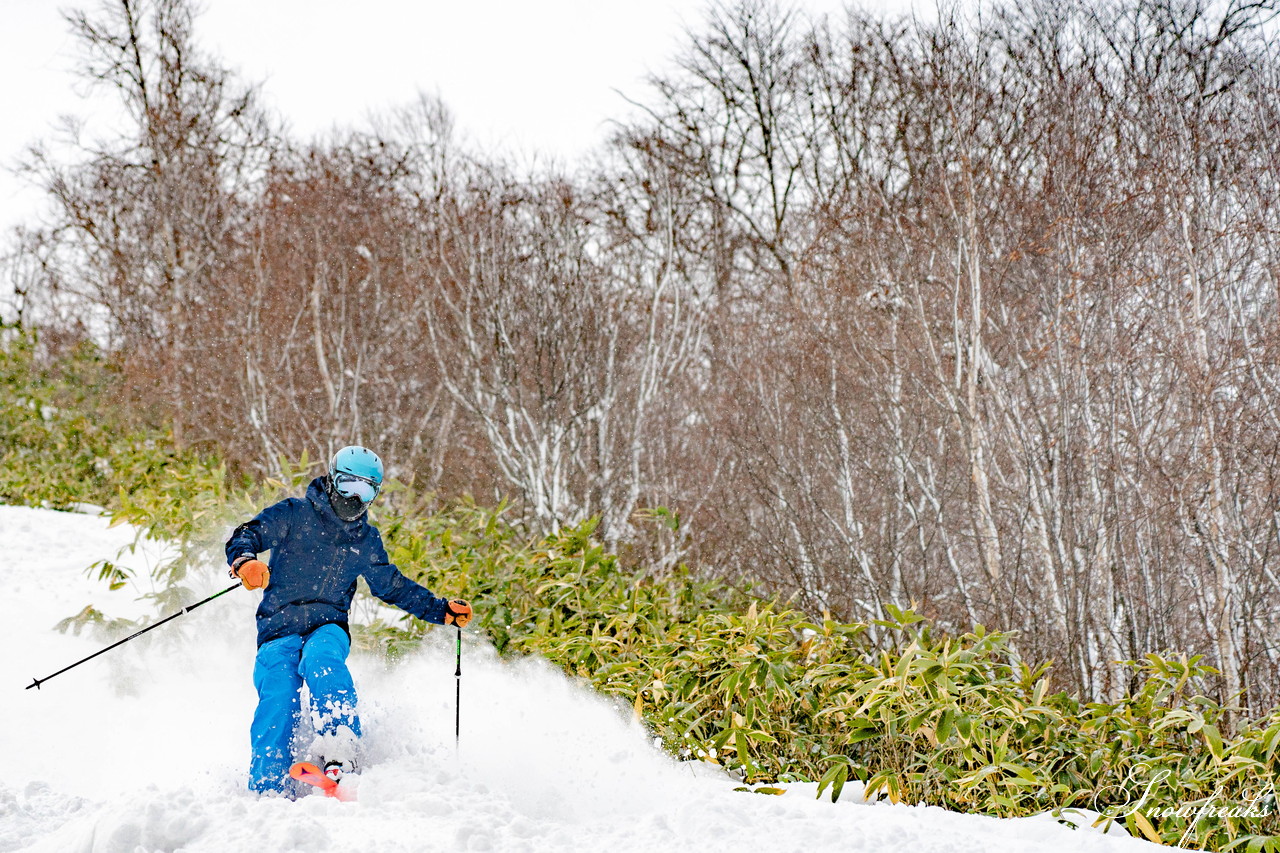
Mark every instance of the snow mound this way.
pixel 145 748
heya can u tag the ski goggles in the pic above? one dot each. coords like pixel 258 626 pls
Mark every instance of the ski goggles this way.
pixel 352 486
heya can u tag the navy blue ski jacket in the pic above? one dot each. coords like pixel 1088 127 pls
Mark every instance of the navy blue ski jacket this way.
pixel 316 559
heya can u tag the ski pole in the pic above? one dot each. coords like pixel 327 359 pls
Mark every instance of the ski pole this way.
pixel 457 696
pixel 38 681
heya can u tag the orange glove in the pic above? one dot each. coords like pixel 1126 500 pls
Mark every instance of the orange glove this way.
pixel 457 612
pixel 253 573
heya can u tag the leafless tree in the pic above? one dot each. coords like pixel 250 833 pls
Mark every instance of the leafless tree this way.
pixel 977 314
pixel 142 220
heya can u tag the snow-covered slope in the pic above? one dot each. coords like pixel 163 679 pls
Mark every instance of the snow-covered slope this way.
pixel 144 748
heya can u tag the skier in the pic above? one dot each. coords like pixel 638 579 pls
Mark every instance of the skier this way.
pixel 319 546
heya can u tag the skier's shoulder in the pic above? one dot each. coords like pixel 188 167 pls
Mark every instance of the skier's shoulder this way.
pixel 286 509
pixel 372 534
pixel 291 504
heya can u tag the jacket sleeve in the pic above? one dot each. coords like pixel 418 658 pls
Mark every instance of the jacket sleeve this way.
pixel 263 532
pixel 389 584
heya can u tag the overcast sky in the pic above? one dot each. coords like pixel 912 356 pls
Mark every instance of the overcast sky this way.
pixel 520 75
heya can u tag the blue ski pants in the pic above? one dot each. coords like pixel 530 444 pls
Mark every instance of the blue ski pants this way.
pixel 281 668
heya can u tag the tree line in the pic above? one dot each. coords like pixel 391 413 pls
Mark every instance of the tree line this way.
pixel 976 313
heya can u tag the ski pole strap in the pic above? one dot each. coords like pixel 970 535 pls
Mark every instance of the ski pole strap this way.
pixel 38 681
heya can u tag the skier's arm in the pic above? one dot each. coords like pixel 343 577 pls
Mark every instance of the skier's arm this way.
pixel 263 532
pixel 389 584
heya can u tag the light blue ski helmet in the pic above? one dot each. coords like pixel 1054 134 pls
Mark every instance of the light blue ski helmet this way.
pixel 356 472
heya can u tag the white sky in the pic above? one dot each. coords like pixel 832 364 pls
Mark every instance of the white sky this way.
pixel 523 76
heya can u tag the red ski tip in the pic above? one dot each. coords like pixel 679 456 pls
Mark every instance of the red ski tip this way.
pixel 305 771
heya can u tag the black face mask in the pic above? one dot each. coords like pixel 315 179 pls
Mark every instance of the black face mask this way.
pixel 347 508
